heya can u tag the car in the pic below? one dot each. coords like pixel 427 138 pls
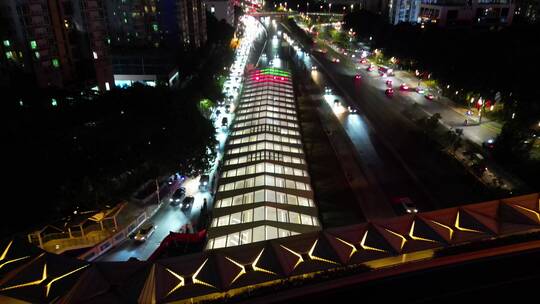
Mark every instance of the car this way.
pixel 404 87
pixel 429 96
pixel 187 203
pixel 389 92
pixel 489 144
pixel 204 181
pixel 337 103
pixel 371 68
pixel 363 61
pixel 389 83
pixel 228 108
pixel 177 196
pixel 145 232
pixel 352 109
pixel 419 90
pixel 357 76
pixel 224 122
pixel 327 90
pixel 335 60
pixel 406 203
pixel 313 67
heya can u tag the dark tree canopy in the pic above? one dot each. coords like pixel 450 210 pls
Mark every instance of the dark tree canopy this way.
pixel 94 152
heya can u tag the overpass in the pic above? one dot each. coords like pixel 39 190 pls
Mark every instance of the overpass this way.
pixel 286 268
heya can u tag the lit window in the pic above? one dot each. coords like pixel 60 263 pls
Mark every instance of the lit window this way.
pixel 283 233
pixel 226 202
pixel 33 44
pixel 294 217
pixel 237 200
pixel 259 196
pixel 212 9
pixel 258 234
pixel 7 43
pixel 219 242
pixel 282 215
pixel 271 214
pixel 107 86
pixel 271 232
pixel 245 236
pixel 223 221
pixel 306 219
pixel 233 239
pixel 258 214
pixel 9 55
pixel 95 55
pixel 56 63
pixel 247 216
pixel 235 218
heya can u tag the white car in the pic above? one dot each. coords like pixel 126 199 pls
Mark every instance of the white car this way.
pixel 145 232
pixel 407 204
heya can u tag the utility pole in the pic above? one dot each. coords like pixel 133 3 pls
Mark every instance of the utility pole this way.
pixel 157 191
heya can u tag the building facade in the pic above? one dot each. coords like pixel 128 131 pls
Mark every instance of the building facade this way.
pixel 467 12
pixel 403 11
pixel 529 10
pixel 221 9
pixel 60 42
pixel 264 190
pixel 192 21
pixel 155 23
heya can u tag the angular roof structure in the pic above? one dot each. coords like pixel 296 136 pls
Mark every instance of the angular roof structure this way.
pixel 28 274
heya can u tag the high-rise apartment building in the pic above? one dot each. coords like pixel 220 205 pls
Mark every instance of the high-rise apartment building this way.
pixel 192 16
pixel 133 22
pixel 221 9
pixel 153 23
pixel 467 12
pixel 529 10
pixel 60 42
pixel 403 11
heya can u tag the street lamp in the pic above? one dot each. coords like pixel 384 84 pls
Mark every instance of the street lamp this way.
pixel 329 7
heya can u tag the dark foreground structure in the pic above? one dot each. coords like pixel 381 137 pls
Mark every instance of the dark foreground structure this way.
pixel 319 265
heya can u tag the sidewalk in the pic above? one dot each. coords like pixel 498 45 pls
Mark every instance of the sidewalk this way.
pixel 413 81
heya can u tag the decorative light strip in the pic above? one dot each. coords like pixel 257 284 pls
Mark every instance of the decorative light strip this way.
pixel 446 227
pixel 417 238
pixel 316 258
pixel 365 247
pixel 48 286
pixel 530 211
pixel 403 239
pixel 458 227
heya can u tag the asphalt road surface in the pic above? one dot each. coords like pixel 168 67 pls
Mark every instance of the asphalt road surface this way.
pixel 382 122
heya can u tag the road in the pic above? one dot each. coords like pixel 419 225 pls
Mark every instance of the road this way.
pixel 382 176
pixel 443 181
pixel 169 218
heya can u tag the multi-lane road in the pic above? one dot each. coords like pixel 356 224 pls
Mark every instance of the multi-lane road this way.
pixel 404 162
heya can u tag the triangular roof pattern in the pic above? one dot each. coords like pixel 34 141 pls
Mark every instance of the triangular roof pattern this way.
pixel 32 275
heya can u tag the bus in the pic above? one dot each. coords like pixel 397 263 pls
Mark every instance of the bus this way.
pixel 383 70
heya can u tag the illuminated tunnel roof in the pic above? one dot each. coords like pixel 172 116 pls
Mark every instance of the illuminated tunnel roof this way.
pixel 31 275
pixel 264 191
